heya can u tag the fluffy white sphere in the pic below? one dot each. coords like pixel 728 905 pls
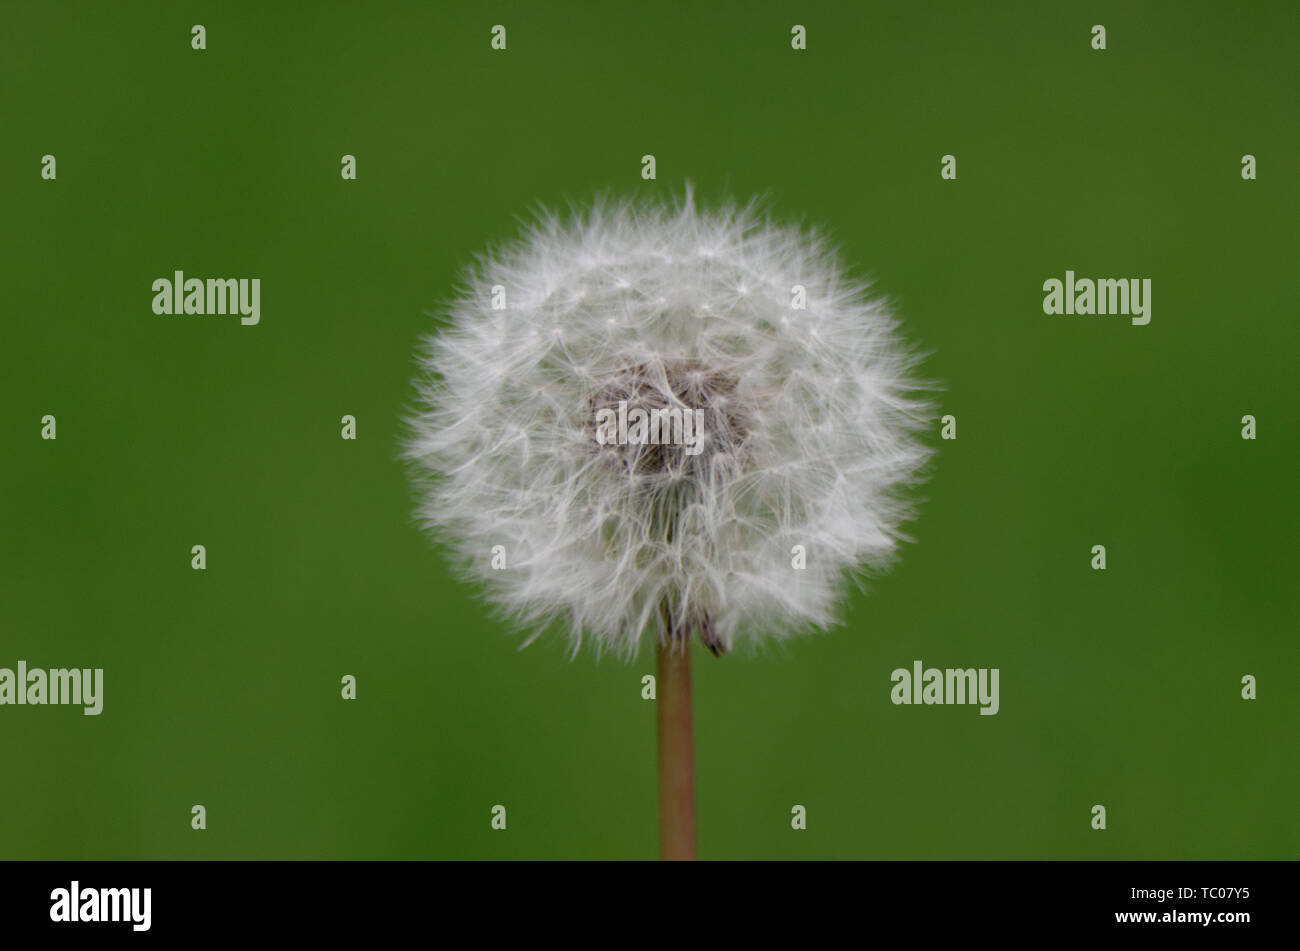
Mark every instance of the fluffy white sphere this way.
pixel 808 427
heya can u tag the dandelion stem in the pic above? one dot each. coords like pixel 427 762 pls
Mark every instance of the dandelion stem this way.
pixel 676 751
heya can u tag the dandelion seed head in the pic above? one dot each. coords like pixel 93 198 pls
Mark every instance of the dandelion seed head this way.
pixel 809 436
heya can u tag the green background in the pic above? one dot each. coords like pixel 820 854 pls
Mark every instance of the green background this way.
pixel 1119 687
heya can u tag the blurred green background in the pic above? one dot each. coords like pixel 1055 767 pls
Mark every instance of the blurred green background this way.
pixel 1119 687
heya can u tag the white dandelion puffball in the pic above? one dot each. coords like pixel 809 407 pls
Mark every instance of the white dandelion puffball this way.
pixel 650 421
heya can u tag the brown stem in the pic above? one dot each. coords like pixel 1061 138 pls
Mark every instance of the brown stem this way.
pixel 676 751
